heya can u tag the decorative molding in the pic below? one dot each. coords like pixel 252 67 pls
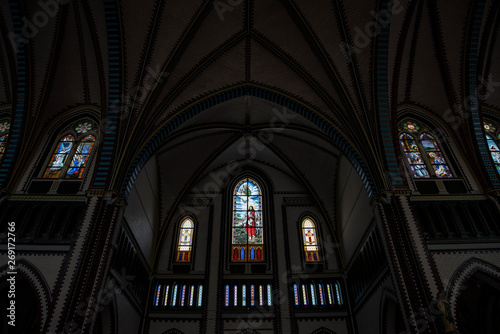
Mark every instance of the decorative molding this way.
pixel 462 275
pixel 195 108
pixel 36 279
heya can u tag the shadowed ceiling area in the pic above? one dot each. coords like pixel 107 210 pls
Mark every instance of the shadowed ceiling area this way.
pixel 326 55
pixel 247 131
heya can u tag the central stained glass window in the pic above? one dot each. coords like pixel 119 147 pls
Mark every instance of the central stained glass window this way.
pixel 247 228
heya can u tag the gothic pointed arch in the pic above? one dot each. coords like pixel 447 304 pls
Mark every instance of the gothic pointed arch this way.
pixel 458 281
pixel 32 294
pixel 204 104
pixel 70 157
pixel 173 331
pixel 310 239
pixel 422 152
pixel 391 318
pixel 247 223
pixel 185 240
pixel 474 297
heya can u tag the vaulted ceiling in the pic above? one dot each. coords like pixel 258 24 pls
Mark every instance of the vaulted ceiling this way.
pixel 322 54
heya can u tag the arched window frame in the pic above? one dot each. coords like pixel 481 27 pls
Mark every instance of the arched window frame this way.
pixel 241 252
pixel 492 135
pixel 4 137
pixel 307 235
pixel 425 151
pixel 184 249
pixel 79 154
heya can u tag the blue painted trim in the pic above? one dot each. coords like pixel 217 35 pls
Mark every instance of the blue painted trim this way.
pixel 19 108
pixel 211 101
pixel 382 98
pixel 471 88
pixel 109 140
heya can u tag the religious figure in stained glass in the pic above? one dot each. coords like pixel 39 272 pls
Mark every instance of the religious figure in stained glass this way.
pixel 247 232
pixel 80 157
pixel 71 156
pixel 435 156
pixel 311 248
pixel 412 153
pixel 60 156
pixel 423 154
pixel 185 242
pixel 3 144
pixel 494 151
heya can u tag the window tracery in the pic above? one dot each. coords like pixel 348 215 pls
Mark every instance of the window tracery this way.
pixel 493 140
pixel 247 226
pixel 185 241
pixel 309 238
pixel 70 157
pixel 423 153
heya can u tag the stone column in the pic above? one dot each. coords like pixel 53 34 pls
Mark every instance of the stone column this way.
pixel 413 270
pixel 80 292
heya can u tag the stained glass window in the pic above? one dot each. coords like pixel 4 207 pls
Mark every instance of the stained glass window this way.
pixel 269 295
pixel 157 298
pixel 71 156
pixel 59 158
pixel 4 135
pixel 412 153
pixel 313 294
pixel 329 293
pixel 83 127
pixel 80 158
pixel 4 127
pixel 296 294
pixel 174 297
pixel 304 294
pixel 321 297
pixel 422 152
pixel 3 144
pixel 435 156
pixel 200 293
pixel 494 151
pixel 183 295
pixel 165 302
pixel 191 295
pixel 339 294
pixel 252 295
pixel 489 127
pixel 310 240
pixel 247 228
pixel 165 294
pixel 185 243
